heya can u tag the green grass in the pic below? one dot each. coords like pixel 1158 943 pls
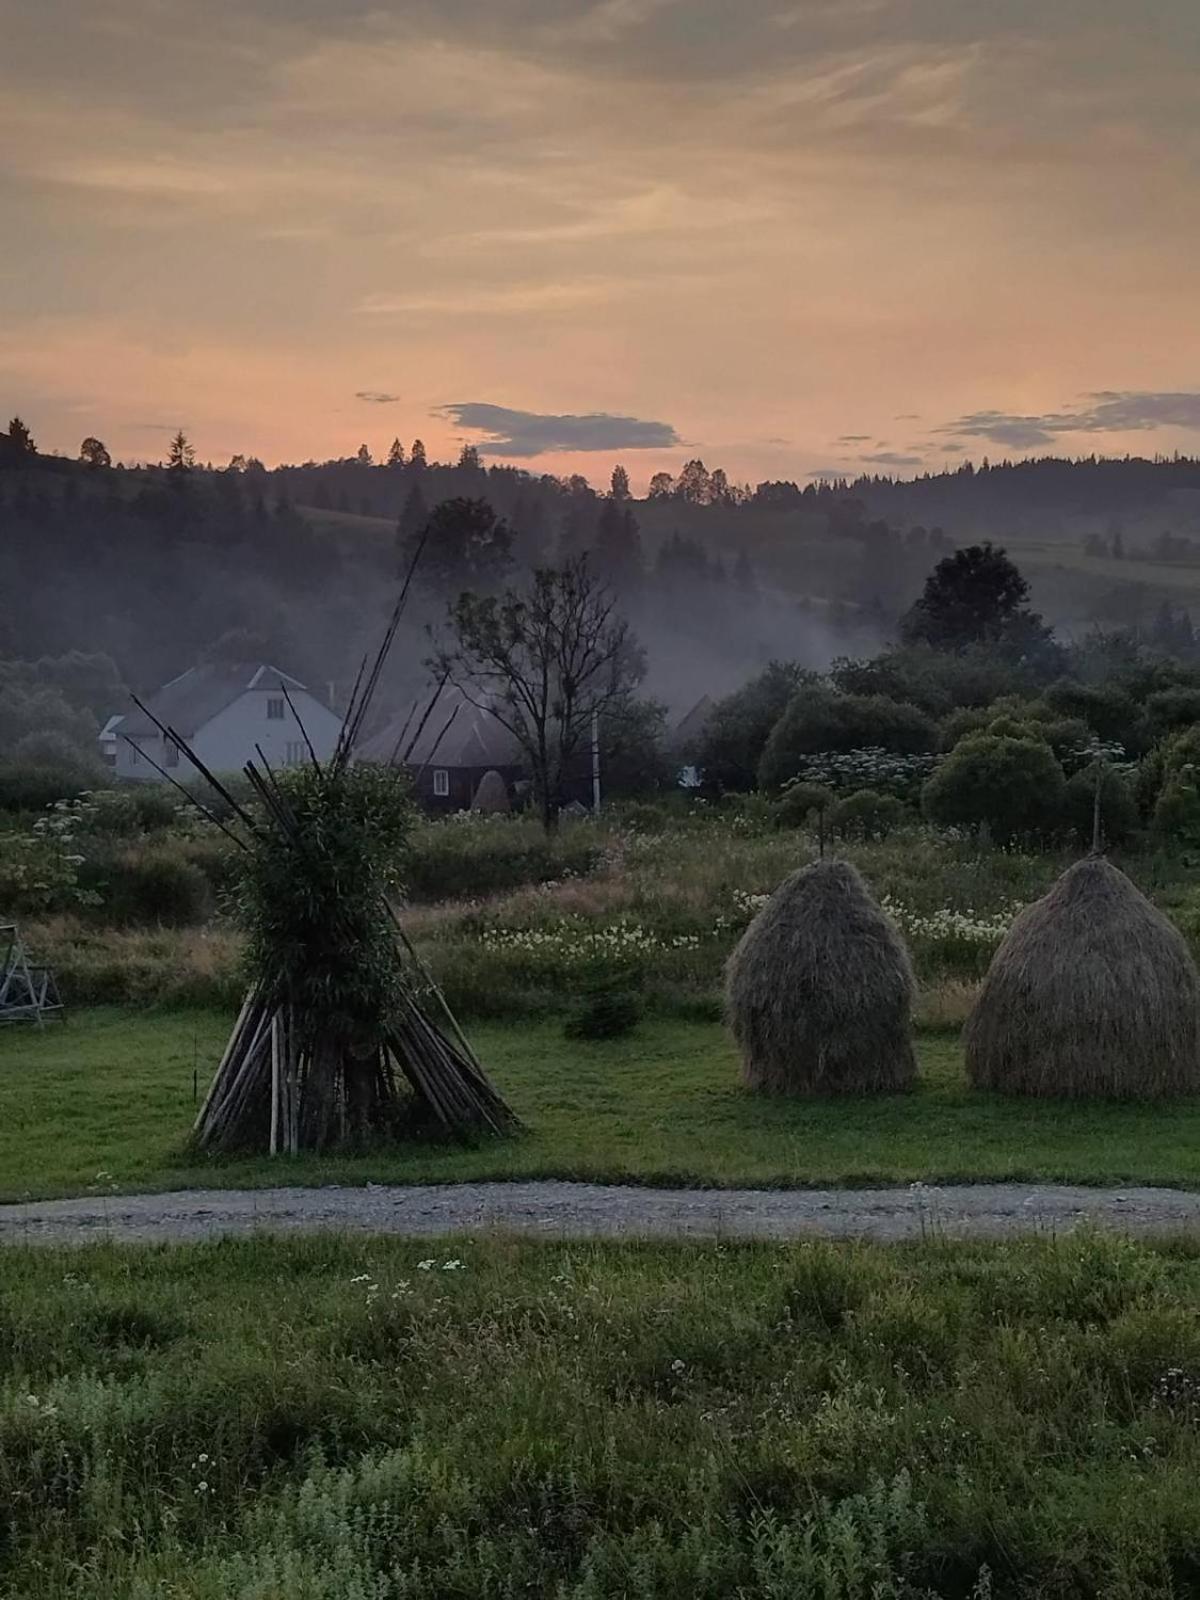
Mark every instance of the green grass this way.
pixel 111 1092
pixel 329 1420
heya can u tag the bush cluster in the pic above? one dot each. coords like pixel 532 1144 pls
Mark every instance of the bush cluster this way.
pixel 471 857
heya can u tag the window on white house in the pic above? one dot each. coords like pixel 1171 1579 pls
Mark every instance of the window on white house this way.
pixel 441 782
pixel 275 708
pixel 172 756
pixel 295 752
pixel 135 755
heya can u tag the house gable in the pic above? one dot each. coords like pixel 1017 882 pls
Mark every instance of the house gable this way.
pixel 227 714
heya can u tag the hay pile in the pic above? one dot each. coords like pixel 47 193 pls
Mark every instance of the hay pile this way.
pixel 491 797
pixel 1092 993
pixel 819 991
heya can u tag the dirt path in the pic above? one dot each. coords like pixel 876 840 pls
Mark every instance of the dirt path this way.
pixel 585 1210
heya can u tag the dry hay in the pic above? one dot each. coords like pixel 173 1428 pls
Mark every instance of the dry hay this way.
pixel 819 991
pixel 1092 993
pixel 491 797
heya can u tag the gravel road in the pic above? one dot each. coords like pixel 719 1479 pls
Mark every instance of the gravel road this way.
pixel 602 1211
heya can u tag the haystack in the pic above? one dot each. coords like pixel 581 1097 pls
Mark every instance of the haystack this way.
pixel 1092 993
pixel 491 797
pixel 819 991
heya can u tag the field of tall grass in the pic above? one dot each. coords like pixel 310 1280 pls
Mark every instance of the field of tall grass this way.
pixel 515 925
pixel 385 1420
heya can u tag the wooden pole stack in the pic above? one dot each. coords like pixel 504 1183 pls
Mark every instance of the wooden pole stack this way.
pixel 280 1091
pixel 290 1080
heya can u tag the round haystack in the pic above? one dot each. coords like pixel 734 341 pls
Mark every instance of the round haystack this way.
pixel 819 991
pixel 492 794
pixel 1092 993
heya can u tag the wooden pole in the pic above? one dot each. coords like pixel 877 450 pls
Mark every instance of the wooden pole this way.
pixel 276 1079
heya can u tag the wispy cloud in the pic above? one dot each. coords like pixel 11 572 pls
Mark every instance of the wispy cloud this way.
pixel 853 438
pixel 891 458
pixel 534 433
pixel 376 397
pixel 1111 411
pixel 517 298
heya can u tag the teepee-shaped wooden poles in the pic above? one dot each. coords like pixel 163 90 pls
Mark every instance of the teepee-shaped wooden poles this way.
pixel 344 1037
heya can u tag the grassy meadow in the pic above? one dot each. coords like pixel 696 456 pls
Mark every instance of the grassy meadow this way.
pixel 518 929
pixel 515 927
pixel 384 1420
pixel 105 1102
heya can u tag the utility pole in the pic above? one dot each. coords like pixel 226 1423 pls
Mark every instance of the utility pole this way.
pixel 595 764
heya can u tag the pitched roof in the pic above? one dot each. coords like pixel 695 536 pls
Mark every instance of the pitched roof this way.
pixel 195 696
pixel 474 738
pixel 688 727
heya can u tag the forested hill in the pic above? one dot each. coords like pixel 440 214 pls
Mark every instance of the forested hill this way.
pixel 1046 498
pixel 160 567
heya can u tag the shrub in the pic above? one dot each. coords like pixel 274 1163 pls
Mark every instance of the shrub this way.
pixel 610 1009
pixel 635 760
pixel 847 771
pixel 158 885
pixel 818 720
pixel 935 680
pixel 867 815
pixel 1068 737
pixel 732 741
pixel 963 725
pixel 1173 708
pixel 33 786
pixel 1175 759
pixel 1177 810
pixel 799 802
pixel 50 747
pixel 1109 711
pixel 1013 786
pixel 135 808
pixel 1118 808
pixel 472 857
pixel 39 872
pixel 1011 728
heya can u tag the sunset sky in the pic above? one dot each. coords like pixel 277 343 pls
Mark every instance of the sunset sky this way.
pixel 791 238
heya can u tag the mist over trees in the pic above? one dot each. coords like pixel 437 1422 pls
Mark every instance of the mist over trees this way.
pixel 152 569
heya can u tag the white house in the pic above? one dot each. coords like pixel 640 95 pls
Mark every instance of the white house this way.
pixel 226 714
pixel 110 740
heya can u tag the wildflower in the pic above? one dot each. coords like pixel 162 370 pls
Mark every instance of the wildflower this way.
pixel 427 1265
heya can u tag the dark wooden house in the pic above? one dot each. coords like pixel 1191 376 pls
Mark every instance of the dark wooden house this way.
pixel 459 743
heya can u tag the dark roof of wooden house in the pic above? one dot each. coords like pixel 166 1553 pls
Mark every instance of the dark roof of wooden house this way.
pixel 474 738
pixel 689 727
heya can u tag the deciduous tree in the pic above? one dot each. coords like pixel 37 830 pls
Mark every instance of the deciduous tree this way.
pixel 975 595
pixel 544 660
pixel 93 453
pixel 467 546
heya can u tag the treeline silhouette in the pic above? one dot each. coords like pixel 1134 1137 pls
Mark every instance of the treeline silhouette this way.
pixel 157 567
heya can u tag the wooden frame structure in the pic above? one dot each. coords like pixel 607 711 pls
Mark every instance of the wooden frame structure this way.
pixel 295 1079
pixel 28 991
